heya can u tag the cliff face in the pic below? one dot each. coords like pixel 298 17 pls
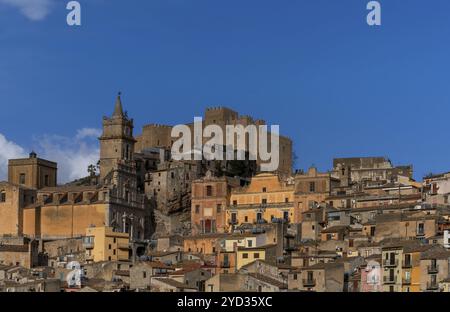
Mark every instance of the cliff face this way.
pixel 178 223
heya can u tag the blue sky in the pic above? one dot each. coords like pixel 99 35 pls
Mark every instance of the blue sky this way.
pixel 335 85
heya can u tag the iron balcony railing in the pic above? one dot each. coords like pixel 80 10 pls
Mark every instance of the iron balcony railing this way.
pixel 432 286
pixel 309 282
pixel 406 281
pixel 389 279
pixel 390 262
pixel 406 264
pixel 88 245
pixel 433 269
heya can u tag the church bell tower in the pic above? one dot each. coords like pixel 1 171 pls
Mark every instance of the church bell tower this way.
pixel 117 141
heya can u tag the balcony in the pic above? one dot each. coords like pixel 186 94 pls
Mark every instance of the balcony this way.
pixel 406 264
pixel 406 281
pixel 232 222
pixel 390 262
pixel 432 286
pixel 89 258
pixel 432 269
pixel 389 279
pixel 280 220
pixel 88 245
pixel 260 221
pixel 309 282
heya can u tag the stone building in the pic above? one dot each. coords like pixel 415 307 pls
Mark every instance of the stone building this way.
pixel 103 244
pixel 13 199
pixel 168 189
pixel 266 199
pixel 311 189
pixel 405 225
pixel 156 135
pixel 210 199
pixel 436 189
pixel 19 251
pixel 434 268
pixel 364 169
pixel 320 277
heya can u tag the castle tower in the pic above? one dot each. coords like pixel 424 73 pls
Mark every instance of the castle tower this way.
pixel 117 141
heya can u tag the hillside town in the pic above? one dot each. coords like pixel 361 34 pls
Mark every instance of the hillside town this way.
pixel 142 222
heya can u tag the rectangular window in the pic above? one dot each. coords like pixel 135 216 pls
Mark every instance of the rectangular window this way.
pixel 421 229
pixel 250 243
pixel 2 197
pixel 234 202
pixel 264 189
pixel 245 256
pixel 46 180
pixel 144 274
pixel 208 190
pixel 312 187
pixel 22 178
pixel 197 208
pixel 219 208
pixel 259 216
pixel 256 255
pixel 264 201
pixel 233 217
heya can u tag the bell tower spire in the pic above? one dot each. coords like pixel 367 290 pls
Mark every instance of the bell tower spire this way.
pixel 117 141
pixel 118 110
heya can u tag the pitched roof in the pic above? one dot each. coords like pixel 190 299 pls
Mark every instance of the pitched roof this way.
pixel 436 252
pixel 268 280
pixel 173 283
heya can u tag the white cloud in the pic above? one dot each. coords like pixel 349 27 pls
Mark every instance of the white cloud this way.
pixel 35 10
pixel 73 155
pixel 8 150
pixel 88 132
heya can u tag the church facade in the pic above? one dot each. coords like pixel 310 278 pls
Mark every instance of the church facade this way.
pixel 36 207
